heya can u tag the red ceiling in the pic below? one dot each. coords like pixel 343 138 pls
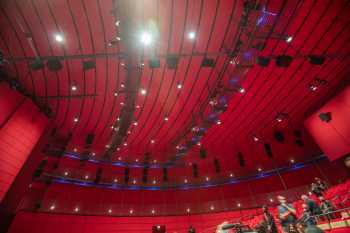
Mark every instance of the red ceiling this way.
pixel 28 29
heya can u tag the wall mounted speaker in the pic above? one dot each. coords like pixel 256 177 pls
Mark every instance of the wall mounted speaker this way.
pixel 89 138
pixel 195 170
pixel 278 136
pixel 165 174
pixel 268 150
pixel 88 65
pixel 217 165
pixel 241 159
pixel 325 116
pixel 53 64
pixel 202 153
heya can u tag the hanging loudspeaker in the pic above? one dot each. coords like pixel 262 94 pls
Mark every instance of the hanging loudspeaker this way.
pixel 278 136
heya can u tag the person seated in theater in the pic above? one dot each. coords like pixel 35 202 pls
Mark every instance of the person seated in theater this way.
pixel 268 221
pixel 321 184
pixel 308 220
pixel 326 207
pixel 219 228
pixel 312 206
pixel 315 189
pixel 286 214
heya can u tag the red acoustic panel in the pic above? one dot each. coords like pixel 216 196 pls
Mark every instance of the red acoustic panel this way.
pixel 333 137
pixel 19 133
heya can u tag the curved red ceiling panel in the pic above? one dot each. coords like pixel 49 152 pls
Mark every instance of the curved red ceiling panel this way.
pixel 30 29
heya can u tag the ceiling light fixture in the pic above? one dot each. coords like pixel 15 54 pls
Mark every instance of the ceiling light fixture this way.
pixel 59 38
pixel 76 209
pixel 143 91
pixel 241 90
pixel 179 86
pixel 74 88
pixel 289 39
pixel 110 211
pixel 146 38
pixel 166 118
pixel 52 207
pixel 152 141
pixel 76 119
pixel 191 35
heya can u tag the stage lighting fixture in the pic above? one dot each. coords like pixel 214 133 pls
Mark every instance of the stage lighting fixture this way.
pixel 191 35
pixel 135 123
pixel 110 211
pixel 76 119
pixel 255 138
pixel 238 204
pixel 153 211
pixel 146 38
pixel 259 169
pixel 231 175
pixel 131 211
pixel 292 160
pixel 86 177
pixel 74 88
pixel 166 118
pixel 313 87
pixel 52 207
pixel 76 209
pixel 207 178
pixel 179 86
pixel 152 141
pixel 185 181
pixel 271 200
pixel 241 90
pixel 212 207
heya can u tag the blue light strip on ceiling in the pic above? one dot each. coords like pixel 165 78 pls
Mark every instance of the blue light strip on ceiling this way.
pixel 261 175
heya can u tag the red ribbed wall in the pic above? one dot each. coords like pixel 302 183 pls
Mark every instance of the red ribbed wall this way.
pixel 21 125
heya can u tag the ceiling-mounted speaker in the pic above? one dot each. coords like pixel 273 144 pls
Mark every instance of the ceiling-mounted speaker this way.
pixel 165 174
pixel 54 64
pixel 268 150
pixel 297 133
pixel 126 175
pixel 202 153
pixel 89 138
pixel 195 170
pixel 316 60
pixel 37 64
pixel 208 62
pixel 263 61
pixel 145 175
pixel 172 61
pixel 283 60
pixel 325 116
pixel 88 65
pixel 240 159
pixel 217 166
pixel 98 175
pixel 154 63
pixel 299 142
pixel 279 136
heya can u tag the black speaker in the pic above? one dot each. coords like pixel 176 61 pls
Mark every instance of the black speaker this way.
pixel 195 170
pixel 154 63
pixel 88 65
pixel 145 175
pixel 37 65
pixel 316 60
pixel 54 64
pixel 217 165
pixel 165 174
pixel 126 175
pixel 208 62
pixel 325 116
pixel 240 159
pixel 202 153
pixel 283 60
pixel 89 138
pixel 263 61
pixel 98 175
pixel 299 142
pixel 278 136
pixel 172 61
pixel 268 150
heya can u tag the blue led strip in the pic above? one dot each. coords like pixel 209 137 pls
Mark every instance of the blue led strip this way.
pixel 297 166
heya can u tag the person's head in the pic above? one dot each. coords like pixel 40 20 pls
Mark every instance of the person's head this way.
pixel 265 209
pixel 304 197
pixel 281 199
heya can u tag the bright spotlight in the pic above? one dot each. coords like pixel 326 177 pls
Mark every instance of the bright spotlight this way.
pixel 191 35
pixel 143 91
pixel 59 38
pixel 289 39
pixel 146 38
